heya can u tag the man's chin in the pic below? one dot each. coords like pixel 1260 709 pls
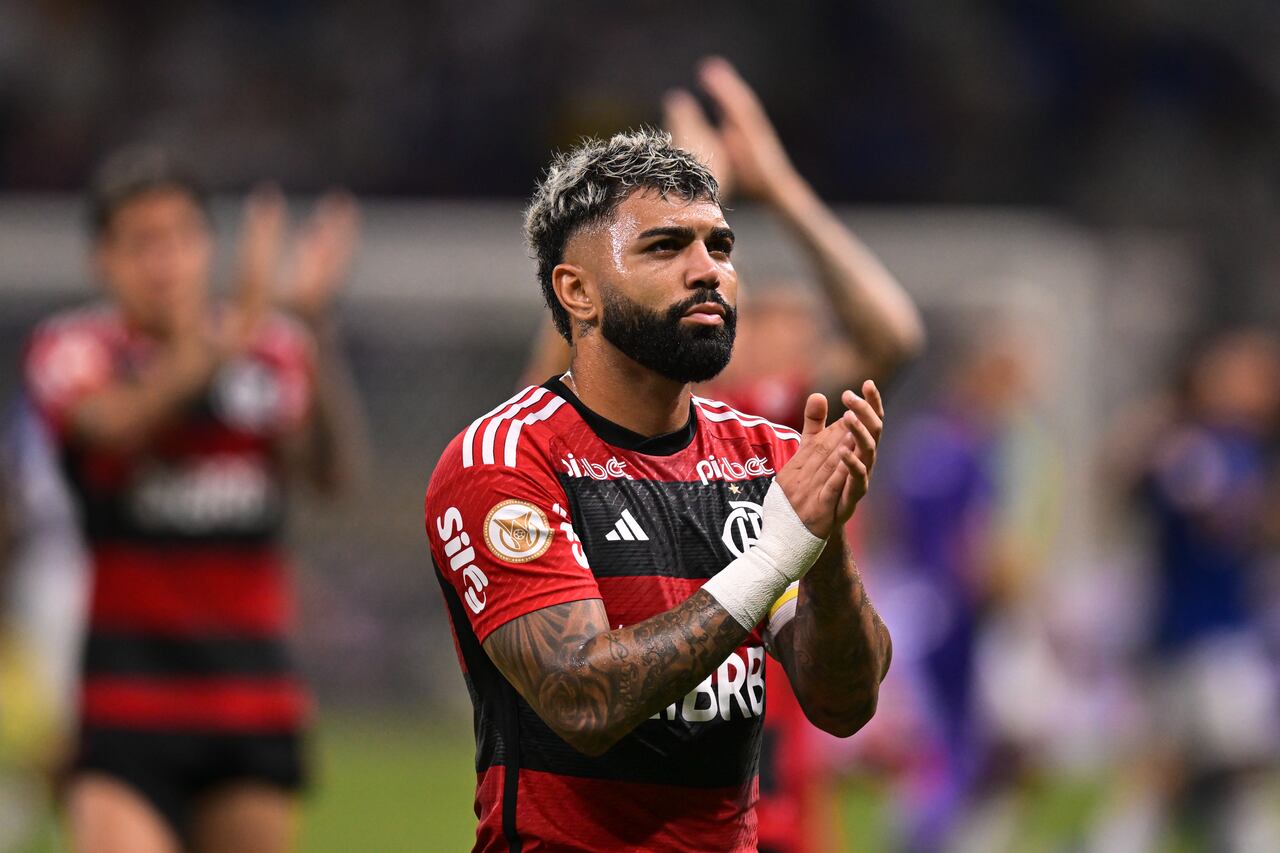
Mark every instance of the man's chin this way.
pixel 703 368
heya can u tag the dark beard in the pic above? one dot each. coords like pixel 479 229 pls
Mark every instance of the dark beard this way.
pixel 660 342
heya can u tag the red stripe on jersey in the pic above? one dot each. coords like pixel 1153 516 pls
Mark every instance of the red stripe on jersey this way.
pixel 488 808
pixel 175 591
pixel 210 704
pixel 568 813
pixel 634 599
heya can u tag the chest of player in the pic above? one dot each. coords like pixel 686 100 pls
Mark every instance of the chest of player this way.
pixel 654 528
pixel 214 472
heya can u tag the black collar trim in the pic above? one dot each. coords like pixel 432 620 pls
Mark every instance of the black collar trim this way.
pixel 666 444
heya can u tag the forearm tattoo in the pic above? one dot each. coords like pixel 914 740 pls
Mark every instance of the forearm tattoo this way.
pixel 593 685
pixel 837 649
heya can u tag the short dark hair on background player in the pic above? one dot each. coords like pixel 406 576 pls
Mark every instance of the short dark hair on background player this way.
pixel 134 171
pixel 585 185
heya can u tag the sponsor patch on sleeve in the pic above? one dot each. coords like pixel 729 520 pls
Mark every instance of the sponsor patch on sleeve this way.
pixel 517 531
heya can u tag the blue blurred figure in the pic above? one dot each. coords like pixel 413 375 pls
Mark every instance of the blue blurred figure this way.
pixel 975 483
pixel 1206 483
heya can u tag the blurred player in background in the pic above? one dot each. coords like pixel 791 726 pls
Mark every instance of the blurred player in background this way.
pixel 177 417
pixel 974 487
pixel 862 326
pixel 1206 477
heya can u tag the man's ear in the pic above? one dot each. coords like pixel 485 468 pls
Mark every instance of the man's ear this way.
pixel 576 293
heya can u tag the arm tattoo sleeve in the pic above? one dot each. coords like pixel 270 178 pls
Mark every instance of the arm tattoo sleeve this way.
pixel 592 685
pixel 837 649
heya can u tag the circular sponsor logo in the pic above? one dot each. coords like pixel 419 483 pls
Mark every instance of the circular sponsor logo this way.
pixel 517 532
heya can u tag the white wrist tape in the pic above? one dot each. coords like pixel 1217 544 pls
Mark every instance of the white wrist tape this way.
pixel 786 549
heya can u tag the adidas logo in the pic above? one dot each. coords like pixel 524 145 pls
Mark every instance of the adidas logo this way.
pixel 627 530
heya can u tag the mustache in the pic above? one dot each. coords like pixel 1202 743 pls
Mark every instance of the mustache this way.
pixel 706 294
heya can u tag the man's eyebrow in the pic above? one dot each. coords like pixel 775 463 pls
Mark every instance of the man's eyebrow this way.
pixel 684 232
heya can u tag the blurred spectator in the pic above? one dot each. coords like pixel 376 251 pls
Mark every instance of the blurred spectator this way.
pixel 974 485
pixel 42 594
pixel 1206 480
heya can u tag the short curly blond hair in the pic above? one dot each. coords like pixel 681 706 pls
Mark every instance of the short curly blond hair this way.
pixel 585 185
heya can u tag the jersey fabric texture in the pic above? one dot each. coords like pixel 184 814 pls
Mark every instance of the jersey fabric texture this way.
pixel 543 502
pixel 190 599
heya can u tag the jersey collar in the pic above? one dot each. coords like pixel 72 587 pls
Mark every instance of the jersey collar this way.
pixel 666 444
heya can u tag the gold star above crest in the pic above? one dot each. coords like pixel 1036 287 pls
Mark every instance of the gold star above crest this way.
pixel 733 489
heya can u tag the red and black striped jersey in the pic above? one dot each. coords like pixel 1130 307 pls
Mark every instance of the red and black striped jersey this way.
pixel 190 598
pixel 542 502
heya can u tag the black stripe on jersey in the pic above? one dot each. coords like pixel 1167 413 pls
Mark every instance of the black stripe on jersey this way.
pixel 657 752
pixel 121 653
pixel 107 516
pixel 493 702
pixel 685 524
pixel 619 436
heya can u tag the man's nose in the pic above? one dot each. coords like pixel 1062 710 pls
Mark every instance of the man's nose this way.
pixel 703 271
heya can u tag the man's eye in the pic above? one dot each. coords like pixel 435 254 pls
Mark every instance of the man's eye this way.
pixel 664 246
pixel 721 247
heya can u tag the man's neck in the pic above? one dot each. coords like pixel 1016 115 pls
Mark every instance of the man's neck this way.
pixel 620 390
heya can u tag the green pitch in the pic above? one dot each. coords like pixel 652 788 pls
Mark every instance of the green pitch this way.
pixel 399 783
pixel 391 784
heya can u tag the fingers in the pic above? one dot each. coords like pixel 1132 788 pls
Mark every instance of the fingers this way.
pixel 872 395
pixel 855 487
pixel 865 411
pixel 692 130
pixel 838 477
pixel 683 116
pixel 324 251
pixel 731 93
pixel 865 444
pixel 815 415
pixel 261 243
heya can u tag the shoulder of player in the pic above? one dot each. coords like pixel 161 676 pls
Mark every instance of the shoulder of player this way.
pixel 95 320
pixel 514 435
pixel 722 420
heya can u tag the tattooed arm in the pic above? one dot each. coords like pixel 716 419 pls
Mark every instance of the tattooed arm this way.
pixel 592 685
pixel 836 650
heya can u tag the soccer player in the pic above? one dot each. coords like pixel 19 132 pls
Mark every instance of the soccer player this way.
pixel 176 418
pixel 784 351
pixel 614 551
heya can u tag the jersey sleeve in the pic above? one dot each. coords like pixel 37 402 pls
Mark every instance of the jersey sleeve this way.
pixel 502 539
pixel 62 367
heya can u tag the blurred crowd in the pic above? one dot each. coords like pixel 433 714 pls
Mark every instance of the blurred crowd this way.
pixel 1117 108
pixel 1033 704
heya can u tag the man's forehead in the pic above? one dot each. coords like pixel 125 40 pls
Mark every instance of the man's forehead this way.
pixel 646 209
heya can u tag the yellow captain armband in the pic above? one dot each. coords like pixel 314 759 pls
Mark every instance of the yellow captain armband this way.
pixel 784 609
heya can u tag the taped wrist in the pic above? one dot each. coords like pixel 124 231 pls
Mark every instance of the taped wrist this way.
pixel 786 549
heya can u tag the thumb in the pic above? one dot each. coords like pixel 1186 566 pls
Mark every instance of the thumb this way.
pixel 815 415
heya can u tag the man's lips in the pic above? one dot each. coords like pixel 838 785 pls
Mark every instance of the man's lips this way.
pixel 708 313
